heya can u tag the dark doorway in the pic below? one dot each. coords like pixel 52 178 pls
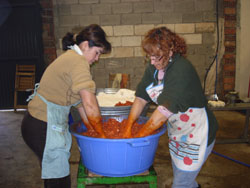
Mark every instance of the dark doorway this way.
pixel 20 43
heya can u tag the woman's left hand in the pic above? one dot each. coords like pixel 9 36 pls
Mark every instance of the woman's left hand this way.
pixel 156 120
pixel 92 110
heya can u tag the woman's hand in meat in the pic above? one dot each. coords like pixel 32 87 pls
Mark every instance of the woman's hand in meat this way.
pixel 92 111
pixel 125 131
pixel 155 122
pixel 134 114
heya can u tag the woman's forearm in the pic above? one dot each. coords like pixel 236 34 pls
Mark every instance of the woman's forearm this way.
pixel 156 120
pixel 84 118
pixel 137 107
pixel 92 110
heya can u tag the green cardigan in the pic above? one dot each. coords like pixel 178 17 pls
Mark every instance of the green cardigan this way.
pixel 182 90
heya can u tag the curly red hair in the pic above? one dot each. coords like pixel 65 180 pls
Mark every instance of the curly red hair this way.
pixel 162 40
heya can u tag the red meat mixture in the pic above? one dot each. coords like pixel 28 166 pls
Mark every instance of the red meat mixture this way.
pixel 127 103
pixel 113 129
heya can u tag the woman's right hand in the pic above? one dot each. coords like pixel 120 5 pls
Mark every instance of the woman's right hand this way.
pixel 134 114
pixel 126 131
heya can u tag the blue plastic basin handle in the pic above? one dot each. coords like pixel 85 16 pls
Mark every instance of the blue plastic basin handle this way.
pixel 140 144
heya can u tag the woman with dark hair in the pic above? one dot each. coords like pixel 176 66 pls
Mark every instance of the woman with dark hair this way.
pixel 171 82
pixel 65 83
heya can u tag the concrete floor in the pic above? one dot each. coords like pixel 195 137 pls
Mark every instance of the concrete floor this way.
pixel 19 167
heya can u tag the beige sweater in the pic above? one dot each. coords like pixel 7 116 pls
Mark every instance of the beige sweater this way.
pixel 61 83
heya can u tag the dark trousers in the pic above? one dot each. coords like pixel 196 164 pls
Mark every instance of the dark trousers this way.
pixel 34 135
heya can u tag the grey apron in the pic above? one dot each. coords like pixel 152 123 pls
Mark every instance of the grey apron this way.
pixel 55 163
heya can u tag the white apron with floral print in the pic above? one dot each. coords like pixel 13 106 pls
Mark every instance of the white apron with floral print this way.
pixel 188 133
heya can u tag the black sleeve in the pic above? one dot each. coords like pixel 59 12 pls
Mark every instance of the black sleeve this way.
pixel 182 88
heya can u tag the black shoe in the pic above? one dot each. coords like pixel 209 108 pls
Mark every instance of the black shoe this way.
pixel 199 186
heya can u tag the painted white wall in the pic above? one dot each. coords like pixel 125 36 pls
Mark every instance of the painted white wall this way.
pixel 243 50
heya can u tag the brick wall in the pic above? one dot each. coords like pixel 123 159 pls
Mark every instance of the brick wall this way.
pixel 126 21
pixel 49 46
pixel 229 58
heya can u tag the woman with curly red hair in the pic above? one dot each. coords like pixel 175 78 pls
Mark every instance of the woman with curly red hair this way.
pixel 171 82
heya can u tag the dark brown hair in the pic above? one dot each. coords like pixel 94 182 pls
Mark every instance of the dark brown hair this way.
pixel 93 33
pixel 163 40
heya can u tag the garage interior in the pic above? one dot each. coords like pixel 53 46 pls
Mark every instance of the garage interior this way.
pixel 213 42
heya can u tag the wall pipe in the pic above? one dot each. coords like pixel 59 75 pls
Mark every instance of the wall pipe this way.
pixel 216 52
pixel 248 88
pixel 247 165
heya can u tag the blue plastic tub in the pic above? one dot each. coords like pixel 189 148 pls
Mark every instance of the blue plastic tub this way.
pixel 116 157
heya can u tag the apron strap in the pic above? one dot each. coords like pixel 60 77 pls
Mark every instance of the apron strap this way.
pixel 43 99
pixel 34 93
pixel 78 102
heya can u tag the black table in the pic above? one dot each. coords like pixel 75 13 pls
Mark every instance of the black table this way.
pixel 236 107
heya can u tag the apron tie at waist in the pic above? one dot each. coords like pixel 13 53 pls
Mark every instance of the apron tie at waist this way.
pixel 34 93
